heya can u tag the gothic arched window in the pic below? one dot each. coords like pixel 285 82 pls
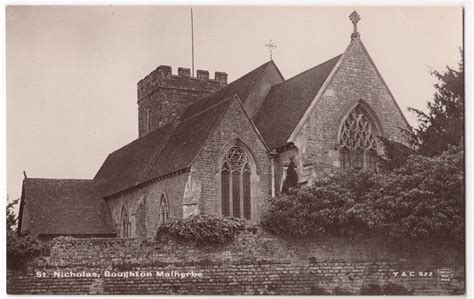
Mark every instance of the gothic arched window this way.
pixel 235 184
pixel 164 209
pixel 358 141
pixel 125 225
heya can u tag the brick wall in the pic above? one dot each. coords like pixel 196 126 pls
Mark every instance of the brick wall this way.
pixel 254 263
pixel 163 96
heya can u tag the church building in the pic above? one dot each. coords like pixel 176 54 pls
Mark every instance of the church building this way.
pixel 206 146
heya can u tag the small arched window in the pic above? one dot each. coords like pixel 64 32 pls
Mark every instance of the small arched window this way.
pixel 358 140
pixel 235 184
pixel 125 225
pixel 164 209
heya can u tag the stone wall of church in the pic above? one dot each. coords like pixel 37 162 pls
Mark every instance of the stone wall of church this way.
pixel 163 97
pixel 235 125
pixel 356 79
pixel 254 263
pixel 144 202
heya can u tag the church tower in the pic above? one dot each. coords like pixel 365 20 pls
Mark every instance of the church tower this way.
pixel 163 97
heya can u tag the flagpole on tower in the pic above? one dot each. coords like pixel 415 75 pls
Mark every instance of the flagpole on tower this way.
pixel 192 41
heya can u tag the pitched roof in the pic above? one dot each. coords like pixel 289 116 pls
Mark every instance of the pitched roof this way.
pixel 240 87
pixel 66 207
pixel 149 157
pixel 161 152
pixel 287 102
pixel 125 167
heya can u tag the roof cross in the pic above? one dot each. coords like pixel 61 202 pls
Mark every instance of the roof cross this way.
pixel 270 45
pixel 355 18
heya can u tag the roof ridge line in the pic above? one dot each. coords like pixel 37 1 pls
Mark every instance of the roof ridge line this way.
pixel 221 117
pixel 139 138
pixel 259 77
pixel 208 108
pixel 297 75
pixel 233 83
pixel 322 89
pixel 252 123
pixel 59 179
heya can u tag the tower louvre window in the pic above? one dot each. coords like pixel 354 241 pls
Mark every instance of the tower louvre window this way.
pixel 148 119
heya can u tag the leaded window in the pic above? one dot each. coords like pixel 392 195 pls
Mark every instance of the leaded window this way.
pixel 358 141
pixel 235 184
pixel 125 229
pixel 163 209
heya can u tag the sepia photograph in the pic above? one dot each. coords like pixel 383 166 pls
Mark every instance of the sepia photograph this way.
pixel 235 150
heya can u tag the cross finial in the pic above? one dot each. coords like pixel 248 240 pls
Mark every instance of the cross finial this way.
pixel 270 45
pixel 355 18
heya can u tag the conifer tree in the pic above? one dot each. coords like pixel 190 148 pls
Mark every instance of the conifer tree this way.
pixel 291 180
pixel 443 124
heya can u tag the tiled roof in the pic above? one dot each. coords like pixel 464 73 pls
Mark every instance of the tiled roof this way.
pixel 125 167
pixel 287 102
pixel 240 87
pixel 173 147
pixel 161 152
pixel 66 207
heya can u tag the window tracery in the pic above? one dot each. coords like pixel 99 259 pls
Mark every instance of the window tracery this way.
pixel 163 209
pixel 235 184
pixel 358 141
pixel 125 225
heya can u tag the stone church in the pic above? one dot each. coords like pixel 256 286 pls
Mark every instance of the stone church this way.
pixel 206 146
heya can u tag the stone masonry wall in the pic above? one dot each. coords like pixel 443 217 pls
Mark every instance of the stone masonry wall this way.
pixel 234 126
pixel 164 97
pixel 172 187
pixel 254 263
pixel 356 79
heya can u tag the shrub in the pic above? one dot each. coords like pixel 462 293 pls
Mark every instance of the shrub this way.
pixel 21 249
pixel 202 229
pixel 421 199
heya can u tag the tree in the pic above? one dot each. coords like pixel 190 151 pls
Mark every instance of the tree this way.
pixel 11 217
pixel 443 124
pixel 396 154
pixel 291 180
pixel 20 249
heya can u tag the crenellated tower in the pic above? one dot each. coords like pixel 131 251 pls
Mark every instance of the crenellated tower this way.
pixel 163 96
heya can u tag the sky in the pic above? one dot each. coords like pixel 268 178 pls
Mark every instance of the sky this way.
pixel 71 72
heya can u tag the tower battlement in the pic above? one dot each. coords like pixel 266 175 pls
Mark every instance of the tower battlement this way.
pixel 162 77
pixel 163 96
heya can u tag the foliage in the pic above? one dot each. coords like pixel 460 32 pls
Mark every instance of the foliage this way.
pixel 202 229
pixel 421 199
pixel 291 180
pixel 21 249
pixel 12 219
pixel 387 289
pixel 396 154
pixel 443 124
